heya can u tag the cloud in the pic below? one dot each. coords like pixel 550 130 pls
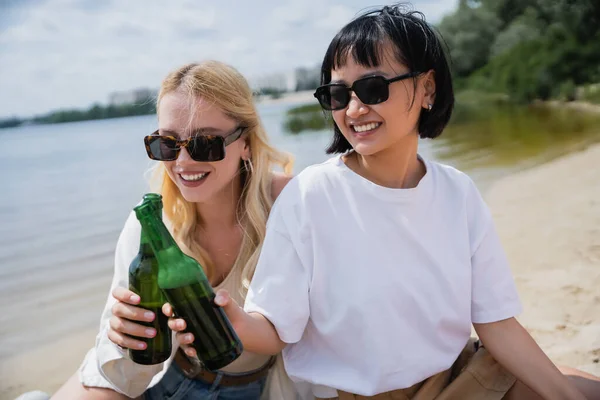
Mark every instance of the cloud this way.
pixel 334 17
pixel 72 53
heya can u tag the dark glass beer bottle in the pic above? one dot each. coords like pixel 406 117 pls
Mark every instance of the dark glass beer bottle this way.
pixel 187 289
pixel 143 280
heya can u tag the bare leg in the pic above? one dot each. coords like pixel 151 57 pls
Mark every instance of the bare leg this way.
pixel 73 389
pixel 587 384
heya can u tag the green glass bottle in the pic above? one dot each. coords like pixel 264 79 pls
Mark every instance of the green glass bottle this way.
pixel 188 290
pixel 143 280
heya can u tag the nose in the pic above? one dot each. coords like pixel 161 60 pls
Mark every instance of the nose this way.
pixel 184 157
pixel 356 108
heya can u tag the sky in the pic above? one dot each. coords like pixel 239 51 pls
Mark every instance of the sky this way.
pixel 73 53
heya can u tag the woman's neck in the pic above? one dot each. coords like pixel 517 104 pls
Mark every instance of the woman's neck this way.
pixel 396 167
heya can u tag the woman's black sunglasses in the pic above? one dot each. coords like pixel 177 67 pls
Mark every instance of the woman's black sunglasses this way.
pixel 370 90
pixel 200 147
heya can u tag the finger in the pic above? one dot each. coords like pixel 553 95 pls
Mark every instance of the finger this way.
pixel 133 313
pixel 222 298
pixel 125 341
pixel 234 312
pixel 177 324
pixel 125 295
pixel 131 328
pixel 167 310
pixel 229 305
pixel 185 339
pixel 190 351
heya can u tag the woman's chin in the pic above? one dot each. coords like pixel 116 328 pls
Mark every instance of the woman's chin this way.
pixel 366 149
pixel 194 196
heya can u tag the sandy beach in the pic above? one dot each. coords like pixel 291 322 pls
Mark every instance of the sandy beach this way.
pixel 548 218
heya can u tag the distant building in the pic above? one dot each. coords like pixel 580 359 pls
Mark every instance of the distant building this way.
pixel 307 78
pixel 301 78
pixel 135 96
pixel 279 82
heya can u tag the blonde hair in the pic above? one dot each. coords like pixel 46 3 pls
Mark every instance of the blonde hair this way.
pixel 223 86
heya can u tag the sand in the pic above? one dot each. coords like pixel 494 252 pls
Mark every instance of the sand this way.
pixel 46 367
pixel 548 218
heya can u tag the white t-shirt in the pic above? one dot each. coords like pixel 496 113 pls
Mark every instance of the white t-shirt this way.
pixel 375 289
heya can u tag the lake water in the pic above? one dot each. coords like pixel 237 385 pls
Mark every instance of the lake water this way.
pixel 68 188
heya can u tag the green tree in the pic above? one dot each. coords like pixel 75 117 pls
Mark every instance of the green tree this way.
pixel 523 27
pixel 505 10
pixel 469 33
pixel 544 48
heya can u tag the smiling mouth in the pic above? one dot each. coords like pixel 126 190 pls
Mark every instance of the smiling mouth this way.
pixel 194 177
pixel 366 127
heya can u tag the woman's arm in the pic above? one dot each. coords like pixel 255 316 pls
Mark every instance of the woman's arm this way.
pixel 257 334
pixel 495 303
pixel 512 346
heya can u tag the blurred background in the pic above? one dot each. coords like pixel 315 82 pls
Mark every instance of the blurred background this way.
pixel 78 80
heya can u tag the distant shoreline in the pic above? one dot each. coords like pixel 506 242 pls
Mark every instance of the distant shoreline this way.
pixel 575 105
pixel 146 108
pixel 98 112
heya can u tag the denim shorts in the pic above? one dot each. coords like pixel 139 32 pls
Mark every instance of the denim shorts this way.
pixel 174 385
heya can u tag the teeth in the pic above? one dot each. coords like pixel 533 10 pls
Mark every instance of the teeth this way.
pixel 366 127
pixel 194 177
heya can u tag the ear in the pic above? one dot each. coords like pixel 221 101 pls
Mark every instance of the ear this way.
pixel 246 153
pixel 428 82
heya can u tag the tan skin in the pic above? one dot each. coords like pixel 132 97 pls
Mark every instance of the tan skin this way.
pixel 389 158
pixel 220 235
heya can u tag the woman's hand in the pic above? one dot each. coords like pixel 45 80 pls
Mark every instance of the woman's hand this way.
pixel 122 325
pixel 257 334
pixel 178 325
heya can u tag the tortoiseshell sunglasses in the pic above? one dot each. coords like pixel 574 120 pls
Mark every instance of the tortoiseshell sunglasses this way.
pixel 200 147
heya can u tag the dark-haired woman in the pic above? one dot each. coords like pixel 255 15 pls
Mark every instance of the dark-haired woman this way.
pixel 377 262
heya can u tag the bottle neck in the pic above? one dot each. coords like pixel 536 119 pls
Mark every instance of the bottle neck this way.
pixel 145 246
pixel 156 233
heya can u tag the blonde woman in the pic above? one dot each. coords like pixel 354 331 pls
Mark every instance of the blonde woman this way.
pixel 218 188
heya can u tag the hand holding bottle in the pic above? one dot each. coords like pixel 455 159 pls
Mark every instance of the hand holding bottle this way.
pixel 256 332
pixel 185 286
pixel 122 325
pixel 149 339
pixel 185 339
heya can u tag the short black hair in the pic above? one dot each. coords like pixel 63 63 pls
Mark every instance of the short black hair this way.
pixel 417 45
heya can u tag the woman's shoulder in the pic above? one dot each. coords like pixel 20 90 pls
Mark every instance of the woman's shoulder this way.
pixel 311 179
pixel 449 177
pixel 278 183
pixel 454 186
